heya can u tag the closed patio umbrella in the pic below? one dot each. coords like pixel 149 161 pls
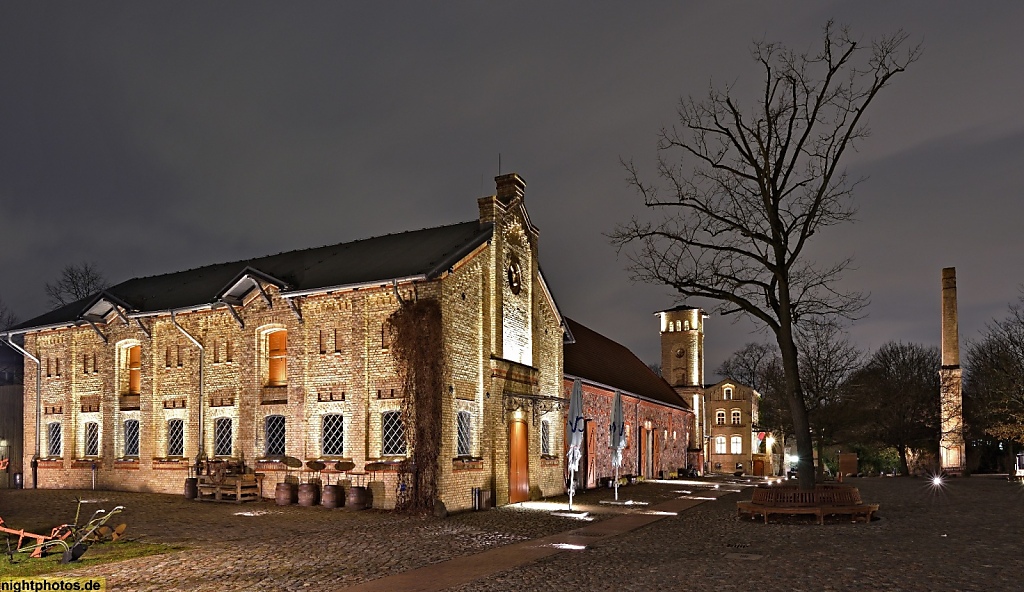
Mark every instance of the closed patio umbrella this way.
pixel 575 425
pixel 617 437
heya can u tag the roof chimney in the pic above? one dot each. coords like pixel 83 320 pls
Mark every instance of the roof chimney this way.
pixel 509 188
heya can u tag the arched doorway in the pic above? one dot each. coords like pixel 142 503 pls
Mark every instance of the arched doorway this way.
pixel 518 463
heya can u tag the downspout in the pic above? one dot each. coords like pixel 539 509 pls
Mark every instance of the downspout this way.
pixel 201 451
pixel 39 406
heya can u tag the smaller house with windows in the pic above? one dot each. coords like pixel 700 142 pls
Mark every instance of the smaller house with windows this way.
pixel 736 442
pixel 290 355
pixel 660 436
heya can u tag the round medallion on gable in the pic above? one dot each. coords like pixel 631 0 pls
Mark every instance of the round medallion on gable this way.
pixel 680 353
pixel 514 275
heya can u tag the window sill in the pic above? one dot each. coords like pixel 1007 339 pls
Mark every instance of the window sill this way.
pixel 467 463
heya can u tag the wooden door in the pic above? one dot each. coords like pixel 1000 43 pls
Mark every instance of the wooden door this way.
pixel 759 468
pixel 591 455
pixel 655 455
pixel 518 463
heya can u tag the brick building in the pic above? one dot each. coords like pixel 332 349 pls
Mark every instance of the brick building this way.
pixel 288 355
pixel 725 414
pixel 659 423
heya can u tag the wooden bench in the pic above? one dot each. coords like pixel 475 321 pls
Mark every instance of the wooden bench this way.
pixel 823 500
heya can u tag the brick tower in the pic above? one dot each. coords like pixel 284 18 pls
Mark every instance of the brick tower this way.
pixel 951 444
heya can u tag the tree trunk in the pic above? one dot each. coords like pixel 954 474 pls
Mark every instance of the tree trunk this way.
pixel 904 467
pixel 797 408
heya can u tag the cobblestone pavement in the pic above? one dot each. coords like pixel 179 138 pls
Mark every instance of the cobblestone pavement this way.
pixel 963 536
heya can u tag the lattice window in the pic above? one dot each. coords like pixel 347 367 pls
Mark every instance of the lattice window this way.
pixel 736 445
pixel 273 430
pixel 92 439
pixel 222 436
pixel 53 439
pixel 392 434
pixel 131 437
pixel 332 435
pixel 175 437
pixel 464 431
pixel 720 445
pixel 720 417
pixel 737 417
pixel 545 437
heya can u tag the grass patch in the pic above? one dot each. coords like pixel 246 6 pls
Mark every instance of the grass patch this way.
pixel 25 566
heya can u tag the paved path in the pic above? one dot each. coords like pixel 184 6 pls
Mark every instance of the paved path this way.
pixel 965 535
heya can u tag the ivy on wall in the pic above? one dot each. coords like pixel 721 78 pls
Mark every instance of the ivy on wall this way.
pixel 418 348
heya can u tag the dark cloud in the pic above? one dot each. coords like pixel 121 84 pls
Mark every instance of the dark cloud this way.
pixel 150 137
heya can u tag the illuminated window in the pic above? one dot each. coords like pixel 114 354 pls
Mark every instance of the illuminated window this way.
pixel 719 444
pixel 545 437
pixel 392 434
pixel 135 370
pixel 720 417
pixel 92 439
pixel 222 436
pixel 277 358
pixel 175 437
pixel 273 430
pixel 728 393
pixel 332 435
pixel 736 445
pixel 737 418
pixel 131 437
pixel 679 326
pixel 686 325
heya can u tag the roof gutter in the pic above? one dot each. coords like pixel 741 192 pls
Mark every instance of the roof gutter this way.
pixel 39 404
pixel 626 393
pixel 348 287
pixel 201 449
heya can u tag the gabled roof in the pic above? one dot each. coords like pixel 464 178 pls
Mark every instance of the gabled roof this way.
pixel 420 254
pixel 596 358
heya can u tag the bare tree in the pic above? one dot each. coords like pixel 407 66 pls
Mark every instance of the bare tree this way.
pixel 76 281
pixel 7 316
pixel 745 190
pixel 827 360
pixel 897 392
pixel 994 382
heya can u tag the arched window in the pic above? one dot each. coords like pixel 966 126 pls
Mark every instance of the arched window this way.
pixel 737 417
pixel 720 417
pixel 135 370
pixel 719 444
pixel 464 433
pixel 332 435
pixel 92 439
pixel 131 437
pixel 273 432
pixel 679 325
pixel 392 434
pixel 545 437
pixel 728 393
pixel 736 445
pixel 175 437
pixel 222 436
pixel 277 358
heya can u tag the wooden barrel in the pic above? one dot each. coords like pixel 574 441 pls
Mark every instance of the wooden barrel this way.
pixel 191 488
pixel 333 496
pixel 284 494
pixel 309 494
pixel 357 498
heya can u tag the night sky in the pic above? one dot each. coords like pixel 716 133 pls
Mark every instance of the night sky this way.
pixel 153 137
